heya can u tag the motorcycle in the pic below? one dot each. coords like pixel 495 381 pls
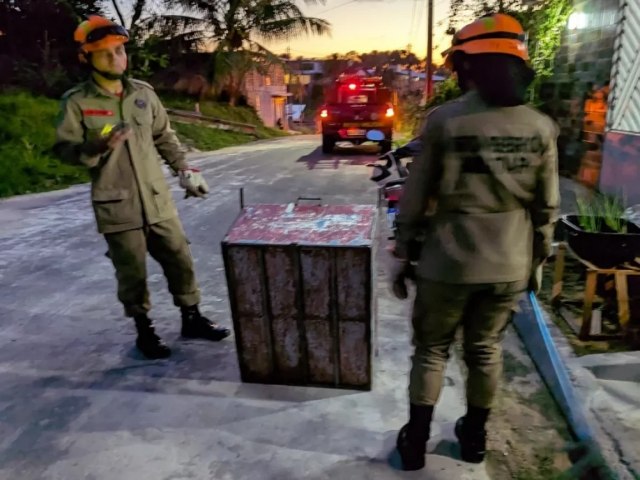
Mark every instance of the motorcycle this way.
pixel 391 192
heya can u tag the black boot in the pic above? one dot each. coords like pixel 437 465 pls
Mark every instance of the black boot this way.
pixel 148 342
pixel 472 434
pixel 194 325
pixel 413 437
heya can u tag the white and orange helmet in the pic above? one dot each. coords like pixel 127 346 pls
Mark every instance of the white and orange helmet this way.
pixel 497 33
pixel 97 33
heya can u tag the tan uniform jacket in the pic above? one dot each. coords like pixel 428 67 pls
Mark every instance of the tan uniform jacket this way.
pixel 480 231
pixel 128 184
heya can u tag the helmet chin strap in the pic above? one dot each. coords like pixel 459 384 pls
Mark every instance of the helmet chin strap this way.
pixel 108 75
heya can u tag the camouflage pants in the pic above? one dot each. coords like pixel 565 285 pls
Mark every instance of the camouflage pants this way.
pixel 484 312
pixel 167 243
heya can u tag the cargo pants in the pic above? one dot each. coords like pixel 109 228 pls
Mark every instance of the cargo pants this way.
pixel 167 243
pixel 484 312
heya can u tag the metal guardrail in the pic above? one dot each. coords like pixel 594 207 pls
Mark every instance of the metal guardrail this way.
pixel 194 117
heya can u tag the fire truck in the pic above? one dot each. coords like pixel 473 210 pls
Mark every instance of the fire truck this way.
pixel 357 109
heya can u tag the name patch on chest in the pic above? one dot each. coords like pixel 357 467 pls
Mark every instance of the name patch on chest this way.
pixel 97 113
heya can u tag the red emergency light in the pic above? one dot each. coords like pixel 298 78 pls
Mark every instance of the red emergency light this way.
pixel 352 86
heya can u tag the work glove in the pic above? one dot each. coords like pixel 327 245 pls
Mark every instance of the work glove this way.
pixel 193 182
pixel 535 277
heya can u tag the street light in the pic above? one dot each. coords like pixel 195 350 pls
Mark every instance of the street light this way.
pixel 577 21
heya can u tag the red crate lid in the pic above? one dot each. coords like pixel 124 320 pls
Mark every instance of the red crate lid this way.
pixel 331 225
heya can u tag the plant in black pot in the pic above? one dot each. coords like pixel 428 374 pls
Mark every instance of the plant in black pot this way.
pixel 600 234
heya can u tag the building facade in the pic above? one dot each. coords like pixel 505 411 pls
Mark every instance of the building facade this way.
pixel 267 93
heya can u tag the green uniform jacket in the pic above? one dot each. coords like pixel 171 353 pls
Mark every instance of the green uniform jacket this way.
pixel 128 186
pixel 480 231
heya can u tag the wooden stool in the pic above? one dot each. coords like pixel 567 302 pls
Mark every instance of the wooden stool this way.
pixel 590 329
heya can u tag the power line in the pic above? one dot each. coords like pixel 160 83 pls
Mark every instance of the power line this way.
pixel 413 20
pixel 418 21
pixel 337 6
pixel 309 53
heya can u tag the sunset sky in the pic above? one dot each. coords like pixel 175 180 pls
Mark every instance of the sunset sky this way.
pixel 365 25
pixel 362 26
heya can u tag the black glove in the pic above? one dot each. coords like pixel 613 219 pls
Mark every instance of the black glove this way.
pixel 399 283
pixel 97 146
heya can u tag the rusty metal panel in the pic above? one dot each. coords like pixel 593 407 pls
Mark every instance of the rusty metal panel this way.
pixel 282 281
pixel 354 279
pixel 354 314
pixel 300 284
pixel 316 279
pixel 247 294
pixel 355 358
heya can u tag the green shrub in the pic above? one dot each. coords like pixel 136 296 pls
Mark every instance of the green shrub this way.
pixel 27 133
pixel 602 209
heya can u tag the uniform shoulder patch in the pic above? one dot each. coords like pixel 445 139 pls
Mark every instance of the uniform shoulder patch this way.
pixel 141 83
pixel 71 91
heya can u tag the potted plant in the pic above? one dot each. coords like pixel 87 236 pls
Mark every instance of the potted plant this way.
pixel 600 234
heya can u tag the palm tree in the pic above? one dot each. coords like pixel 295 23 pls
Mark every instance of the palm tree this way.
pixel 237 27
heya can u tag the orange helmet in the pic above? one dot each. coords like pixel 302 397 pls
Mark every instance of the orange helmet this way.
pixel 97 33
pixel 497 33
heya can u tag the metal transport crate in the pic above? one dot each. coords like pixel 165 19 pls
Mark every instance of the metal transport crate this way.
pixel 301 290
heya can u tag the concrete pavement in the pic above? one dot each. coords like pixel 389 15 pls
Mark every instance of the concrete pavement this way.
pixel 77 401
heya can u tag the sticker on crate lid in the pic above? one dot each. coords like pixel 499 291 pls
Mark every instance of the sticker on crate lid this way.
pixel 315 225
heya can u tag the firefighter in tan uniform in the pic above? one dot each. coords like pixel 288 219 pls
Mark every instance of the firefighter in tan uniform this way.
pixel 116 127
pixel 489 163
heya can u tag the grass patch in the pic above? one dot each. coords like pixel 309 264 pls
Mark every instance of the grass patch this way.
pixel 214 109
pixel 27 133
pixel 512 367
pixel 573 295
pixel 544 469
pixel 224 112
pixel 206 139
pixel 543 402
pixel 587 347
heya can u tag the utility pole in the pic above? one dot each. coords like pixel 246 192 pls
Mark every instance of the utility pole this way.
pixel 429 79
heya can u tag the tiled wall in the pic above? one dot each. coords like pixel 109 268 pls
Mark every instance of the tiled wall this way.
pixel 573 96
